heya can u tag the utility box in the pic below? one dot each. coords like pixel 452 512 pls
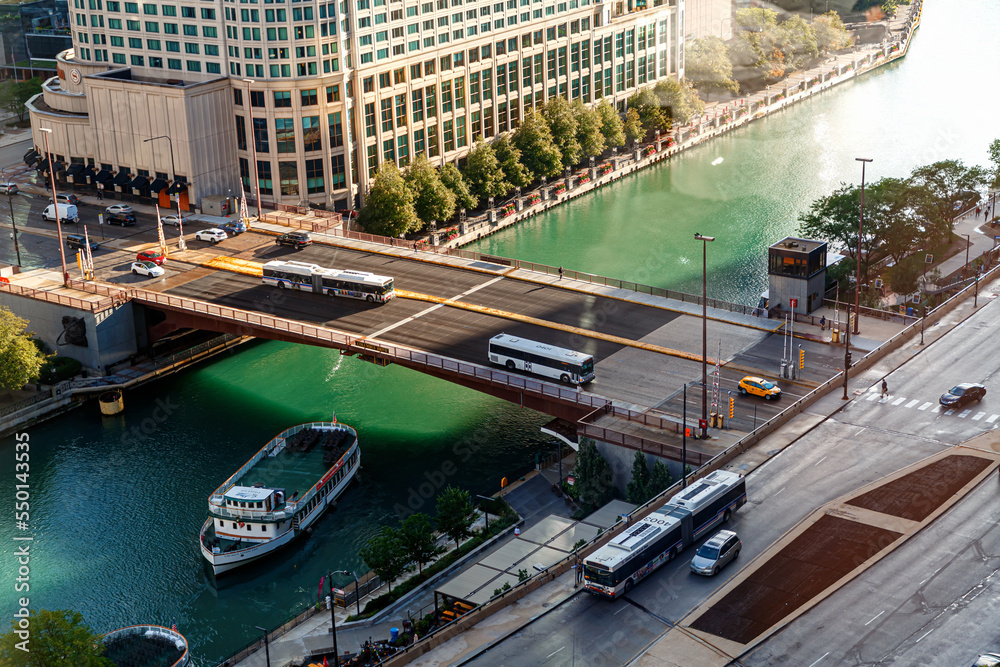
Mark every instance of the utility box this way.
pixel 219 205
pixel 796 271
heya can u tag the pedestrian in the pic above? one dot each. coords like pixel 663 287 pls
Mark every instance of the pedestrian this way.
pixel 885 389
pixel 560 273
pixel 978 209
pixel 100 194
pixel 822 322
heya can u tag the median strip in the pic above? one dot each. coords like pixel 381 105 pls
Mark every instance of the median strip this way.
pixel 235 265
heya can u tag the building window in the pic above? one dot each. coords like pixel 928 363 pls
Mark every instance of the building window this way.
pixel 372 159
pixel 418 142
pixel 241 133
pixel 336 129
pixel 388 150
pixel 401 110
pixel 418 105
pixel 338 177
pixel 333 93
pixel 370 119
pixel 309 98
pixel 311 134
pixel 446 97
pixel 386 105
pixel 289 174
pixel 403 150
pixel 314 176
pixel 431 101
pixel 266 185
pixel 282 98
pixel 284 134
pixel 260 139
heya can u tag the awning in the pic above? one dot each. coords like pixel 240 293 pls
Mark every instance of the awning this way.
pixel 31 157
pixel 121 179
pixel 177 187
pixel 139 182
pixel 88 171
pixel 43 165
pixel 74 169
pixel 58 167
pixel 102 176
pixel 157 185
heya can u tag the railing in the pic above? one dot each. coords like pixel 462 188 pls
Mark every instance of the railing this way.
pixel 657 448
pixel 61 299
pixel 25 403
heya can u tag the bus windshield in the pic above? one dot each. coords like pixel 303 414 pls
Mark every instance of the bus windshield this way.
pixel 588 366
pixel 598 576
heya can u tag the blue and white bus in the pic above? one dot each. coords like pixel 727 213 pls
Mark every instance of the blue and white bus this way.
pixel 567 366
pixel 333 282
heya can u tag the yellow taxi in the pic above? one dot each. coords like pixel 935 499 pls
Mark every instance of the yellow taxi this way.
pixel 758 386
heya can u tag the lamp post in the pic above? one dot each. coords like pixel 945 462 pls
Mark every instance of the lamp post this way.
pixel 253 144
pixel 173 169
pixel 357 589
pixel 861 222
pixel 55 202
pixel 968 242
pixel 486 512
pixel 267 650
pixel 10 201
pixel 333 622
pixel 684 439
pixel 704 330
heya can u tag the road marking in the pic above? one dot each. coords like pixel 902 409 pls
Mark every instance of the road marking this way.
pixel 911 403
pixel 923 635
pixel 624 607
pixel 875 616
pixel 818 462
pixel 991 419
pixel 937 408
pixel 871 396
pixel 820 658
pixel 964 414
pixel 979 415
pixel 433 308
pixel 556 651
pixel 924 406
pixel 949 411
pixel 899 400
pixel 777 492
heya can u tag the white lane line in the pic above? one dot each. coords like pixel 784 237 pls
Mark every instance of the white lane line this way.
pixel 923 635
pixel 964 414
pixel 874 617
pixel 924 406
pixel 871 396
pixel 624 607
pixel 949 411
pixel 979 415
pixel 937 408
pixel 777 492
pixel 911 403
pixel 433 308
pixel 991 419
pixel 553 653
pixel 820 658
pixel 899 400
pixel 818 462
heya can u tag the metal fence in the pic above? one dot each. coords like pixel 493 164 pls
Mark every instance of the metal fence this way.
pixel 55 297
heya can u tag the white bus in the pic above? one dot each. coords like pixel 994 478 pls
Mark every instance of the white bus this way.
pixel 613 569
pixel 334 282
pixel 548 360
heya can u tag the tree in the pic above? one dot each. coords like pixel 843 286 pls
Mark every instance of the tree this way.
pixel 834 218
pixel 388 207
pixel 455 513
pixel 611 124
pixel 484 174
pixel 58 639
pixel 539 152
pixel 432 201
pixel 452 179
pixel 417 537
pixel 942 188
pixel 708 66
pixel 661 479
pixel 588 129
pixel 385 555
pixel 831 35
pixel 679 101
pixel 633 126
pixel 593 475
pixel 904 277
pixel 797 42
pixel 638 489
pixel 509 158
pixel 755 45
pixel 651 115
pixel 562 124
pixel 994 152
pixel 14 95
pixel 20 359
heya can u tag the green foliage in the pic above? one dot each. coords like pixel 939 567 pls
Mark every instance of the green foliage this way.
pixel 994 152
pixel 56 369
pixel 831 35
pixel 660 480
pixel 579 544
pixel 58 639
pixel 14 95
pixel 484 174
pixel 417 537
pixel 771 49
pixel 509 157
pixel 522 575
pixel 455 513
pixel 678 100
pixel 432 201
pixel 651 114
pixel 501 591
pixel 638 487
pixel 20 359
pixel 562 124
pixel 707 66
pixel 588 129
pixel 611 124
pixel 633 126
pixel 384 554
pixel 452 179
pixel 941 186
pixel 593 476
pixel 797 41
pixel 388 207
pixel 904 277
pixel 539 152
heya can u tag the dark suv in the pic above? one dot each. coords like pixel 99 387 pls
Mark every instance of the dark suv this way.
pixel 295 239
pixel 122 219
pixel 78 241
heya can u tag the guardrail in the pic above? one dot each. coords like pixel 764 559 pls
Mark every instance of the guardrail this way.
pixel 54 297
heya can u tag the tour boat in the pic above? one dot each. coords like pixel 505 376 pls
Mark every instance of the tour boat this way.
pixel 278 493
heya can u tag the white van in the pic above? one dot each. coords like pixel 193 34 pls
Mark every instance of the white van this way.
pixel 67 213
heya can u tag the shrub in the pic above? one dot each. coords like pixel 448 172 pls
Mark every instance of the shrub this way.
pixel 56 369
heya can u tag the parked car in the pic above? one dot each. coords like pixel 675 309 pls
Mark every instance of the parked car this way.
pixel 297 240
pixel 154 256
pixel 758 386
pixel 174 220
pixel 9 188
pixel 67 213
pixel 121 219
pixel 988 660
pixel 232 228
pixel 79 241
pixel 213 235
pixel 961 394
pixel 147 269
pixel 715 554
pixel 118 208
pixel 67 198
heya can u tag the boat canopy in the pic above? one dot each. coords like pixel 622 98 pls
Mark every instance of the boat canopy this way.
pixel 248 494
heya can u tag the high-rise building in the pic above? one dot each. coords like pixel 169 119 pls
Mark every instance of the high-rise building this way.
pixel 302 100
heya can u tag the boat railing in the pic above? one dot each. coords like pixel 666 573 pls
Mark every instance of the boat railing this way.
pixel 292 507
pixel 220 509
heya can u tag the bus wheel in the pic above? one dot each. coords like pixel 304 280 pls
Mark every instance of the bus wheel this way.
pixel 564 379
pixel 281 285
pixel 628 586
pixel 371 299
pixel 510 365
pixel 725 517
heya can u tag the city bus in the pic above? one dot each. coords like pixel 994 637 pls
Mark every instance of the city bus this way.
pixel 612 570
pixel 333 282
pixel 549 361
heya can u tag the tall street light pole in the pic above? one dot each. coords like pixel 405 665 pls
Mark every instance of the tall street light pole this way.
pixel 861 222
pixel 173 170
pixel 253 143
pixel 968 242
pixel 333 621
pixel 10 201
pixel 55 205
pixel 267 650
pixel 704 330
pixel 357 588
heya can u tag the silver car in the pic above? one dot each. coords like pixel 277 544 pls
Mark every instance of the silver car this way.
pixel 715 554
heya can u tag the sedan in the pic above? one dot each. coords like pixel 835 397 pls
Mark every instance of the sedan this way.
pixel 147 269
pixel 961 394
pixel 758 386
pixel 715 554
pixel 211 235
pixel 8 188
pixel 118 208
pixel 64 198
pixel 988 660
pixel 121 219
pixel 154 256
pixel 297 240
pixel 174 220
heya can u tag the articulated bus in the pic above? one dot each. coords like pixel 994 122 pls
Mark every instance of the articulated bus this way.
pixel 612 570
pixel 550 361
pixel 334 282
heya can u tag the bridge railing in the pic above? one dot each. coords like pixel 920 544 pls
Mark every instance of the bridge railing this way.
pixel 55 297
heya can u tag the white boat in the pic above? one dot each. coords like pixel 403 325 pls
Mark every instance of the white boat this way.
pixel 278 493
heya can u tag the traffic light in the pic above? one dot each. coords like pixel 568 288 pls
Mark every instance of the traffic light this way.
pixel 732 406
pixel 802 358
pixel 847 359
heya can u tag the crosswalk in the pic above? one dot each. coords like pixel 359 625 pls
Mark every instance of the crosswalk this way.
pixel 907 403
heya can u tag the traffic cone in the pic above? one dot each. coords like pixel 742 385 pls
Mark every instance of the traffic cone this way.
pixel 325 663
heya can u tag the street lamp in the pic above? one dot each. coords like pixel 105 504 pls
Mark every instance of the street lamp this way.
pixel 357 588
pixel 173 169
pixel 253 143
pixel 861 222
pixel 704 330
pixel 333 622
pixel 10 201
pixel 486 512
pixel 267 650
pixel 55 202
pixel 968 242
